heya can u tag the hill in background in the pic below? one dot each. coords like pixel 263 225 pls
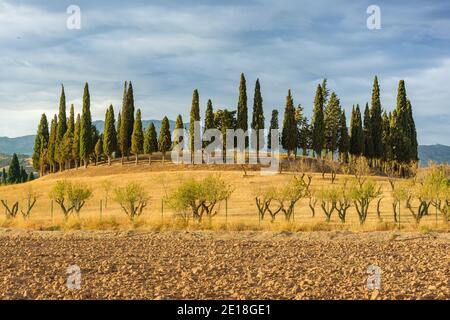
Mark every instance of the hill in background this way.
pixel 24 145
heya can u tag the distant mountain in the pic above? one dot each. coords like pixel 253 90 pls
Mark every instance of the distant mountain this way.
pixel 23 145
pixel 437 153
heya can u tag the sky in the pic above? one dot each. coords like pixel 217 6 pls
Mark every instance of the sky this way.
pixel 169 48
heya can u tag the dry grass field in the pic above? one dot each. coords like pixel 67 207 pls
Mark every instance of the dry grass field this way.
pixel 239 213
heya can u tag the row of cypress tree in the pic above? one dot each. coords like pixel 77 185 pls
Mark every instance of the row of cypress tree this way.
pixel 379 136
pixel 16 173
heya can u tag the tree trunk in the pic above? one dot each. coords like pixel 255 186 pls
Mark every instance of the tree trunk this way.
pixel 109 160
pixel 136 160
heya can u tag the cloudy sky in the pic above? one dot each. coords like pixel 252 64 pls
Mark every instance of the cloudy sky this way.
pixel 169 48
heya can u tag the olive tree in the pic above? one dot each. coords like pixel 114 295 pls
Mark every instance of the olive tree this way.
pixel 200 197
pixel 265 199
pixel 70 197
pixel 30 200
pixel 362 192
pixel 290 194
pixel 132 198
pixel 10 211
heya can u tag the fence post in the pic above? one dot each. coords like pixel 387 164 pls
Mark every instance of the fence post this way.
pixel 226 211
pixel 399 209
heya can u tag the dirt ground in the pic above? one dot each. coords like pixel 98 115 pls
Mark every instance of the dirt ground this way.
pixel 223 265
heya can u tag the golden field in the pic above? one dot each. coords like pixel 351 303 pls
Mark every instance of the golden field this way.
pixel 239 213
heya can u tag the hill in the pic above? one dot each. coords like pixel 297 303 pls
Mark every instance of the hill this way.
pixel 23 145
pixel 437 153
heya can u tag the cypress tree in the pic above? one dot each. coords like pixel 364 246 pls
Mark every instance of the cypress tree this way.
pixel 109 134
pixel 164 142
pixel 402 141
pixel 150 141
pixel 367 132
pixel 344 139
pixel 40 143
pixel 68 138
pixel 178 125
pixel 258 115
pixel 273 125
pixel 289 131
pixel 386 138
pixel 130 117
pixel 332 115
pixel 242 111
pixel 325 91
pixel 76 141
pixel 86 133
pixel 356 133
pixel 23 175
pixel 412 133
pixel 125 123
pixel 137 139
pixel 317 123
pixel 98 148
pixel 14 173
pixel 376 121
pixel 226 122
pixel 4 177
pixel 209 116
pixel 60 155
pixel 30 176
pixel 119 134
pixel 52 144
pixel 302 127
pixel 194 116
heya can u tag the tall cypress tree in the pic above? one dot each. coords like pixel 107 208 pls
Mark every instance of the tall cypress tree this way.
pixel 137 139
pixel 61 130
pixel 332 115
pixel 317 123
pixel 130 117
pixel 258 114
pixel 150 141
pixel 242 111
pixel 68 138
pixel 356 133
pixel 109 134
pixel 344 139
pixel 386 142
pixel 50 154
pixel 40 143
pixel 325 91
pixel 76 141
pixel 194 116
pixel 164 142
pixel 119 134
pixel 376 120
pixel 273 126
pixel 412 134
pixel 302 135
pixel 209 116
pixel 86 146
pixel 125 123
pixel 178 125
pixel 23 175
pixel 289 131
pixel 14 175
pixel 367 132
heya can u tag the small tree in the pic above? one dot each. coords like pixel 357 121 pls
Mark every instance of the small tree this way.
pixel 30 200
pixel 11 212
pixel 200 196
pixel 290 194
pixel 150 142
pixel 77 195
pixel 328 198
pixel 362 195
pixel 132 198
pixel 70 197
pixel 106 186
pixel 264 198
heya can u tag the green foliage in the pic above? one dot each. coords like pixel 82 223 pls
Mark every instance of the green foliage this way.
pixel 317 123
pixel 70 197
pixel 356 133
pixel 76 140
pixel 60 155
pixel 367 133
pixel 331 123
pixel 376 121
pixel 344 139
pixel 362 195
pixel 164 142
pixel 86 146
pixel 303 130
pixel 258 113
pixel 194 116
pixel 109 134
pixel 40 143
pixel 137 140
pixel 242 111
pixel 273 125
pixel 199 197
pixel 50 154
pixel 289 131
pixel 14 172
pixel 132 198
pixel 150 140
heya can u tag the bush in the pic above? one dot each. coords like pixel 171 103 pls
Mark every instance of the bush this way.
pixel 70 197
pixel 199 197
pixel 132 198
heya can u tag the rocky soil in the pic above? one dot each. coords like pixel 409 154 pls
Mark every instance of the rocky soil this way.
pixel 223 265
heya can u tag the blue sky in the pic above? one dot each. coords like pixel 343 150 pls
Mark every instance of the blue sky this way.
pixel 169 48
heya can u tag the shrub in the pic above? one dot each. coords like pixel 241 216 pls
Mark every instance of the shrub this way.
pixel 132 198
pixel 70 196
pixel 199 197
pixel 362 192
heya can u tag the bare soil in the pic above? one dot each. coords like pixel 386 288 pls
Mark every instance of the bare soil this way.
pixel 223 265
